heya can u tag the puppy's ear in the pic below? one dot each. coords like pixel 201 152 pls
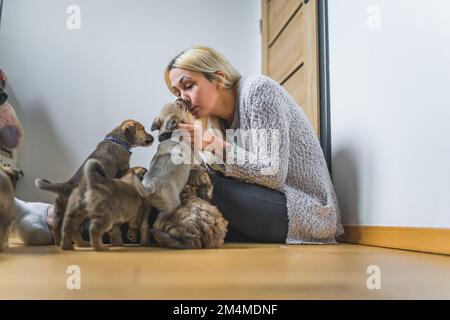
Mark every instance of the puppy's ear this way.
pixel 128 128
pixel 171 123
pixel 156 124
pixel 130 134
pixel 128 125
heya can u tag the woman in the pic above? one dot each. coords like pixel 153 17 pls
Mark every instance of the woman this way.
pixel 287 196
pixel 295 203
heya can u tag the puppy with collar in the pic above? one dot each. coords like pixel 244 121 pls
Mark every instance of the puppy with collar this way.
pixel 166 178
pixel 114 155
pixel 108 203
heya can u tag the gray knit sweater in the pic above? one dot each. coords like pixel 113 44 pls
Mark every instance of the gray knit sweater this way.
pixel 302 174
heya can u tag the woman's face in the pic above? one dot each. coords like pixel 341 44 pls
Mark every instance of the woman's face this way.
pixel 193 87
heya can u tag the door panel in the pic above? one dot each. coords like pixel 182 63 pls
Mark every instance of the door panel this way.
pixel 290 46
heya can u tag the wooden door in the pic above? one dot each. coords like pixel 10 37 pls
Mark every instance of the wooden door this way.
pixel 290 47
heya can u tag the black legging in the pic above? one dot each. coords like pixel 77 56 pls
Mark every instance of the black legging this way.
pixel 255 213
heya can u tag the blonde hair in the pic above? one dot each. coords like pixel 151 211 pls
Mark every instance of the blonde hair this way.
pixel 209 62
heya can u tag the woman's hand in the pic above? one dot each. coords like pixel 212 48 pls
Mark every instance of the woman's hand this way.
pixel 194 137
pixel 203 141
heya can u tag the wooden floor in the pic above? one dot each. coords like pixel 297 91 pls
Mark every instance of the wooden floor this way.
pixel 237 271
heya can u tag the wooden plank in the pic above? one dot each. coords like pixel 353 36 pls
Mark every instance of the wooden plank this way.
pixel 311 57
pixel 279 13
pixel 287 53
pixel 295 48
pixel 264 36
pixel 433 240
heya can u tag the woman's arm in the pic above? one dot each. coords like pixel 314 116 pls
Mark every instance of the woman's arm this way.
pixel 267 113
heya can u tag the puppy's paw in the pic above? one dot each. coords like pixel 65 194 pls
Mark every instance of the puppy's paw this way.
pixel 66 246
pixel 102 247
pixel 83 244
pixel 145 241
pixel 116 242
pixel 132 235
pixel 116 237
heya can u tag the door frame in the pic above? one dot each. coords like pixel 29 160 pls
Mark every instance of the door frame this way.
pixel 324 82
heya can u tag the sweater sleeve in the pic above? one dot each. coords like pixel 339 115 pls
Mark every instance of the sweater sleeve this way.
pixel 264 158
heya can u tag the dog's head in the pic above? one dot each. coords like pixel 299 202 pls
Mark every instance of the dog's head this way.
pixel 171 115
pixel 135 134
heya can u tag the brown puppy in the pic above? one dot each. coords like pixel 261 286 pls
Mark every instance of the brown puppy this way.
pixel 114 155
pixel 108 203
pixel 134 225
pixel 76 206
pixel 6 205
pixel 196 223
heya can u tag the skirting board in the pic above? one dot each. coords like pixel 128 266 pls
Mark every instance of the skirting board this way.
pixel 432 240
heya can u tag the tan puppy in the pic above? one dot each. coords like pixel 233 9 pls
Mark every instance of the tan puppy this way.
pixel 113 153
pixel 76 206
pixel 108 203
pixel 195 223
pixel 165 179
pixel 6 205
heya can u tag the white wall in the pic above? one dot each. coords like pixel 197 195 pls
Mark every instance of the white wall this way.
pixel 390 112
pixel 70 88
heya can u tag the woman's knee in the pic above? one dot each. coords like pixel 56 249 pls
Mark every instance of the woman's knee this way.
pixel 254 211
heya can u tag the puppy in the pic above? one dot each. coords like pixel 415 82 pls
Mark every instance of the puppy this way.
pixel 165 179
pixel 196 223
pixel 134 225
pixel 114 155
pixel 76 210
pixel 108 203
pixel 6 205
